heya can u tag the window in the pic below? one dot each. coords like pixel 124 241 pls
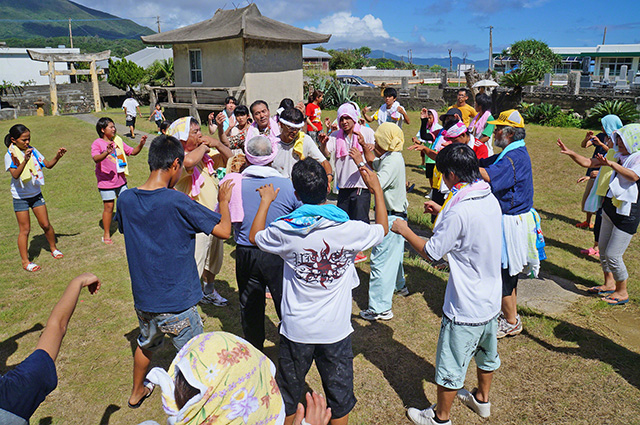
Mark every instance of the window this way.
pixel 195 65
pixel 614 65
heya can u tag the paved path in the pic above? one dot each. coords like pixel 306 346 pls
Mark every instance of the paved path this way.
pixel 123 130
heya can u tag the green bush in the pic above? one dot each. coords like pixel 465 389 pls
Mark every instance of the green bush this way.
pixel 335 92
pixel 626 111
pixel 548 115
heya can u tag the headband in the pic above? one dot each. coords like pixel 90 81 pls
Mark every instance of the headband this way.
pixel 290 124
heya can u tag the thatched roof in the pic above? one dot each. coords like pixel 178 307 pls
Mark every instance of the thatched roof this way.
pixel 246 22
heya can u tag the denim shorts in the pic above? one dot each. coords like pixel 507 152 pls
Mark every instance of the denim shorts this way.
pixel 112 194
pixel 25 204
pixel 458 343
pixel 180 327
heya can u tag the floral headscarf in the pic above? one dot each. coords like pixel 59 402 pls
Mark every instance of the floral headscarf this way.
pixel 236 383
pixel 389 137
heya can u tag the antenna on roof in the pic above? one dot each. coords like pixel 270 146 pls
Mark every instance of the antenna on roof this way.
pixel 234 5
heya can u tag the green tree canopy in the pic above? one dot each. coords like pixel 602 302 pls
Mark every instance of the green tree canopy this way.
pixel 348 59
pixel 535 57
pixel 125 74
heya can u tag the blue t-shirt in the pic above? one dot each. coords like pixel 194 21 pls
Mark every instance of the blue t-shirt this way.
pixel 25 387
pixel 159 228
pixel 511 181
pixel 284 203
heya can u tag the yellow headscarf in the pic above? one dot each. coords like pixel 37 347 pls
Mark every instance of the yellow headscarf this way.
pixel 235 379
pixel 390 137
pixel 31 168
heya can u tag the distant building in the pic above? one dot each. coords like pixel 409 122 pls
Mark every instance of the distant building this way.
pixel 241 49
pixel 17 67
pixel 612 56
pixel 315 59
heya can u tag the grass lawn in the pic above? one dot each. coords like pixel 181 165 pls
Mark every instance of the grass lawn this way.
pixel 581 367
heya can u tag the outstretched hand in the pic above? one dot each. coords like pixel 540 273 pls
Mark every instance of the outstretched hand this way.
pixel 602 161
pixel 267 193
pixel 317 411
pixel 583 179
pixel 563 148
pixel 143 140
pixel 370 178
pixel 220 119
pixel 224 194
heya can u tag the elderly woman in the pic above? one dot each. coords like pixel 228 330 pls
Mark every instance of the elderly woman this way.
pixel 220 378
pixel 620 209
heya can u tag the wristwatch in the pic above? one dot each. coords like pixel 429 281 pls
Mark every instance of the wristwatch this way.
pixel 361 164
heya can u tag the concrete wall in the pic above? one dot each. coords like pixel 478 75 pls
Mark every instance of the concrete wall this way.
pixel 17 66
pixel 268 56
pixel 222 63
pixel 272 87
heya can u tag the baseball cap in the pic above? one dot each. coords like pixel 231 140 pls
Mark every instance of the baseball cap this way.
pixel 511 118
pixel 451 112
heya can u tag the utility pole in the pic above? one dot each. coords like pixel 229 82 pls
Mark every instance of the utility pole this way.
pixel 450 61
pixel 70 34
pixel 604 36
pixel 158 22
pixel 490 48
pixel 410 56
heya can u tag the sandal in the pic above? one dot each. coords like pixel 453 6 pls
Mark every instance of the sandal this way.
pixel 583 225
pixel 32 267
pixel 590 251
pixel 148 385
pixel 107 241
pixel 615 300
pixel 599 291
pixel 57 254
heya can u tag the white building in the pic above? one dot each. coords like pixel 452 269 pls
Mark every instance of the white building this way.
pixel 17 68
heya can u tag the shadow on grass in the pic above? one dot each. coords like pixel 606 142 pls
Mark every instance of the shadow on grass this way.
pixel 591 346
pixel 550 268
pixel 106 416
pixel 113 227
pixel 10 346
pixel 40 243
pixel 575 250
pixel 546 215
pixel 46 421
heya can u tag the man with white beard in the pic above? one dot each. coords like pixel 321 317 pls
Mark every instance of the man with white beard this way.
pixel 511 180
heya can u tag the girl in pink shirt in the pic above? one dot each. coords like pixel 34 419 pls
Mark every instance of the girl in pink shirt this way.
pixel 110 155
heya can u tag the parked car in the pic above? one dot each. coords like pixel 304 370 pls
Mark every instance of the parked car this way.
pixel 354 80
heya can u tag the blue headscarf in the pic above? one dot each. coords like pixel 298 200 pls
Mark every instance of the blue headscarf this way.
pixel 611 123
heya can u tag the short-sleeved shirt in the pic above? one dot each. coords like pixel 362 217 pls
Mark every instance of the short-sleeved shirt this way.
pixel 129 106
pixel 390 170
pixel 347 174
pixel 314 113
pixel 286 158
pixel 284 203
pixel 511 180
pixel 467 112
pixel 24 189
pixel 159 228
pixel 24 388
pixel 208 195
pixel 470 234
pixel 599 150
pixel 319 274
pixel 107 170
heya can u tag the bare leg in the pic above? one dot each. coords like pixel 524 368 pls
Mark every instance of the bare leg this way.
pixel 208 277
pixel 510 308
pixel 132 133
pixel 484 383
pixel 340 421
pixel 621 290
pixel 107 215
pixel 589 214
pixel 141 362
pixel 43 220
pixel 24 226
pixel 445 401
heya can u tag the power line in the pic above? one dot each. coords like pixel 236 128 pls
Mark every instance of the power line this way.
pixel 77 20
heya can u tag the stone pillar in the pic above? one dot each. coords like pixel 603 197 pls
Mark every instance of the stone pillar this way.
pixel 443 79
pixel 573 84
pixel 404 83
pixel 547 80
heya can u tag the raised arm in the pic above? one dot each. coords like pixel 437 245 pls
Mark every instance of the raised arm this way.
pixel 623 171
pixel 401 227
pixel 15 172
pixel 106 153
pixel 371 180
pixel 222 230
pixel 404 114
pixel 56 328
pixel 364 114
pixel 54 161
pixel 138 148
pixel 267 196
pixel 222 135
pixel 588 140
pixel 578 159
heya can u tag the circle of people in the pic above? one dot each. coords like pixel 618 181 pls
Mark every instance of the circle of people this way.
pixel 302 250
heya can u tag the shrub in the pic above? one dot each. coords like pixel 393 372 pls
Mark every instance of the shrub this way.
pixel 548 115
pixel 626 111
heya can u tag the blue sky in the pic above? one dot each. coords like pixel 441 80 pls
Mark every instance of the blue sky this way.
pixel 426 27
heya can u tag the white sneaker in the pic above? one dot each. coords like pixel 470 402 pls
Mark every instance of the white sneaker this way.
pixel 507 329
pixel 469 400
pixel 214 298
pixel 369 314
pixel 424 417
pixel 404 292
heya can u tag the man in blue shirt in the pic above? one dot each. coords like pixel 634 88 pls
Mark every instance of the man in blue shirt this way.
pixel 509 174
pixel 159 225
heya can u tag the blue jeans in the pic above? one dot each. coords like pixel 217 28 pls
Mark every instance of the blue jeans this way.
pixel 387 272
pixel 180 327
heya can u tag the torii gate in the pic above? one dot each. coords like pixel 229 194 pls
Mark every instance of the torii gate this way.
pixel 51 58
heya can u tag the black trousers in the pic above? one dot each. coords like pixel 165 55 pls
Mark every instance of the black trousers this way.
pixel 356 202
pixel 255 271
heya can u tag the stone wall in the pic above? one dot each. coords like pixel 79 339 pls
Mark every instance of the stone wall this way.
pixel 414 98
pixel 72 98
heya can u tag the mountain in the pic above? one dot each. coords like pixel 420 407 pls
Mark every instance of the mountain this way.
pixel 481 65
pixel 37 18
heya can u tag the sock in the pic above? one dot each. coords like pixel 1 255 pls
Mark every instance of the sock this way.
pixel 207 287
pixel 438 420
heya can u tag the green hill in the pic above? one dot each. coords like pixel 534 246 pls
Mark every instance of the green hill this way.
pixel 49 18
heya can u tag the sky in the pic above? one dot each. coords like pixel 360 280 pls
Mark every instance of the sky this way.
pixel 428 28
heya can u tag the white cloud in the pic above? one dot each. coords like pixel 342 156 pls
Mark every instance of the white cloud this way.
pixel 351 31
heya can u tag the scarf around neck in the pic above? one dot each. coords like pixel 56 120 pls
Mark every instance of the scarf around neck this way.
pixel 342 146
pixel 32 169
pixel 308 215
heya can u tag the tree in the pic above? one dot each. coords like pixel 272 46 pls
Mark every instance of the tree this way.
pixel 125 74
pixel 535 57
pixel 349 59
pixel 161 73
pixel 436 68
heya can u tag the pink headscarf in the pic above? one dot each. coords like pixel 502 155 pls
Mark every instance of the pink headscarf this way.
pixel 261 160
pixel 434 125
pixel 342 148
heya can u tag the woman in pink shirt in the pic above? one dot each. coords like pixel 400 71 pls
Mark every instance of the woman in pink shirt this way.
pixel 110 155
